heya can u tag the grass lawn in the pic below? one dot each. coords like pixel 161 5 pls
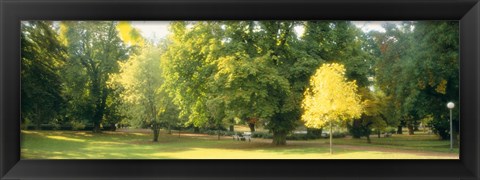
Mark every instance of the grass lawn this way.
pixel 138 145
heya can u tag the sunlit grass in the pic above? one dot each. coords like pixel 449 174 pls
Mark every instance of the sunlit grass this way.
pixel 138 145
pixel 65 138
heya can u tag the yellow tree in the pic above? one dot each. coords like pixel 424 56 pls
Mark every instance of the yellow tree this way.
pixel 331 98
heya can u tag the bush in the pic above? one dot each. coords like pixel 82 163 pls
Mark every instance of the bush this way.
pixel 25 124
pixel 391 130
pixel 339 134
pixel 297 137
pixel 78 125
pixel 441 128
pixel 56 125
pixel 313 136
pixel 263 135
pixel 216 132
pixel 314 132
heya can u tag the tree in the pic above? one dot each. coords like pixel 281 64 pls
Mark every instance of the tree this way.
pixel 340 42
pixel 371 117
pixel 395 63
pixel 438 76
pixel 94 48
pixel 252 70
pixel 140 79
pixel 268 71
pixel 43 56
pixel 188 70
pixel 330 98
pixel 421 58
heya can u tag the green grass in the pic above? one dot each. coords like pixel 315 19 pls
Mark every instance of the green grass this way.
pixel 418 142
pixel 138 145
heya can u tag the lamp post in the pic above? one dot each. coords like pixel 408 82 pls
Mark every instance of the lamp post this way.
pixel 451 105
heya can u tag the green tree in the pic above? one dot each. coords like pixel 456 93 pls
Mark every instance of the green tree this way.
pixel 330 98
pixel 340 42
pixel 422 59
pixel 418 71
pixel 371 117
pixel 236 73
pixel 188 67
pixel 94 48
pixel 271 71
pixel 438 72
pixel 43 56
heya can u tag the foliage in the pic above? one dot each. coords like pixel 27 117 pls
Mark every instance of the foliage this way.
pixel 43 56
pixel 77 125
pixel 227 79
pixel 371 118
pixel 264 135
pixel 140 79
pixel 421 58
pixel 94 48
pixel 330 98
pixel 215 74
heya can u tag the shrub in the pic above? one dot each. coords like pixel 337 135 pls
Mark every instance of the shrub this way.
pixel 216 132
pixel 339 134
pixel 314 132
pixel 297 137
pixel 78 125
pixel 391 130
pixel 56 125
pixel 25 124
pixel 441 128
pixel 263 135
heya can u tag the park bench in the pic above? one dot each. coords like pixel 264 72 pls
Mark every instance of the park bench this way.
pixel 243 137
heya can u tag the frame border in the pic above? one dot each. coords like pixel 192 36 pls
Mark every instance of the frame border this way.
pixel 467 12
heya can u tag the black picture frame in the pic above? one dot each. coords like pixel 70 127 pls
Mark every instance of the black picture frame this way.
pixel 14 11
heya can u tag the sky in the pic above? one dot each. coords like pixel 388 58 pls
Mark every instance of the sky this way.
pixel 156 30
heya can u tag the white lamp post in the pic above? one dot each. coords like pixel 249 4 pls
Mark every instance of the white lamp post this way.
pixel 451 105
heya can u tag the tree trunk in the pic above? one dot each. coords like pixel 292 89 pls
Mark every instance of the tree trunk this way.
pixel 218 134
pixel 331 138
pixel 399 130
pixel 99 111
pixel 232 128
pixel 368 139
pixel 96 127
pixel 279 138
pixel 156 132
pixel 410 129
pixel 356 128
pixel 252 127
pixel 378 133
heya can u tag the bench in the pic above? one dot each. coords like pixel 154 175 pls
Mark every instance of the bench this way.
pixel 243 137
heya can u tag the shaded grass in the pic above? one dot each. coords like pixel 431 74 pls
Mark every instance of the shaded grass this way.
pixel 418 142
pixel 138 145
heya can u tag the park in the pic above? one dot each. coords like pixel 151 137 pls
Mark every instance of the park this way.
pixel 240 90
